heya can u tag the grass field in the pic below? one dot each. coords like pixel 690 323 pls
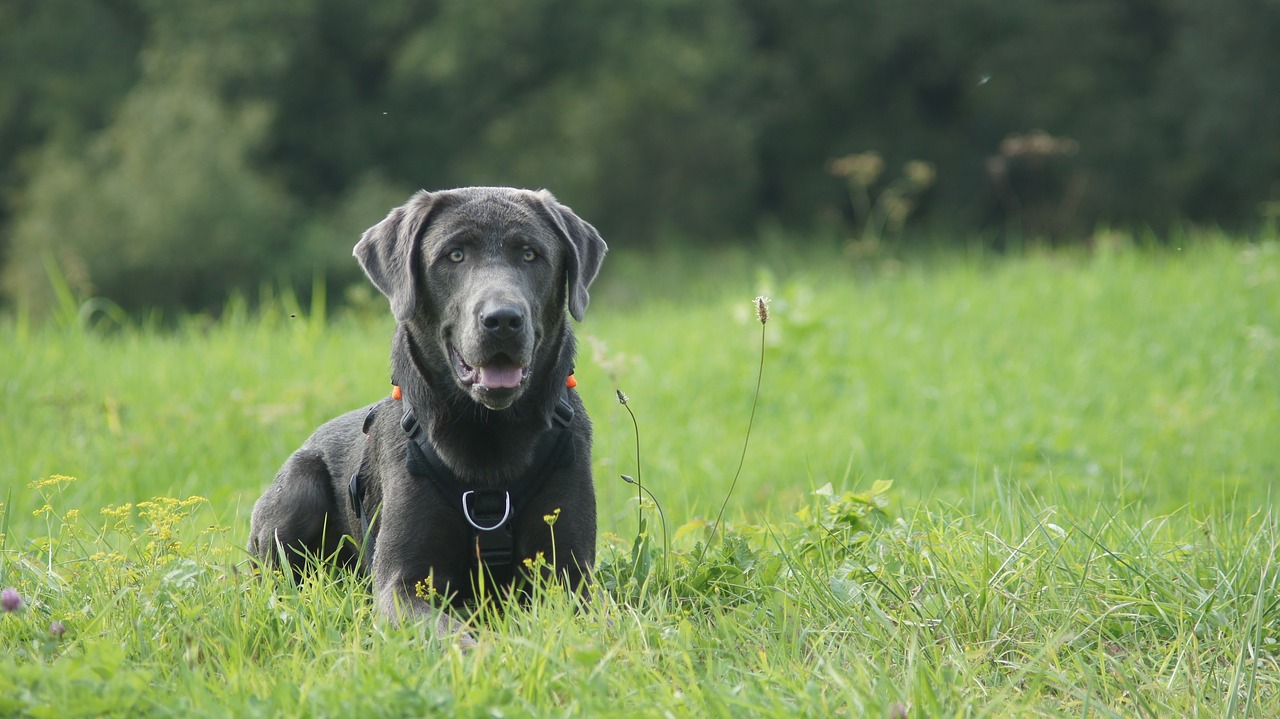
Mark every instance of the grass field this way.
pixel 1083 452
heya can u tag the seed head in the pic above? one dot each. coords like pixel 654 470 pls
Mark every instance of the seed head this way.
pixel 622 398
pixel 10 600
pixel 862 168
pixel 920 173
pixel 762 310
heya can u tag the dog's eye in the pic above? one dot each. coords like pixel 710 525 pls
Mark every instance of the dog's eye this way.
pixel 456 256
pixel 530 255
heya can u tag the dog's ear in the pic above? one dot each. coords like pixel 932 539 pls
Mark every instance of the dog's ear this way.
pixel 585 251
pixel 388 250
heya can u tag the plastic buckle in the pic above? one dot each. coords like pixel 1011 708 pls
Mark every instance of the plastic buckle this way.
pixel 409 423
pixel 355 492
pixel 563 414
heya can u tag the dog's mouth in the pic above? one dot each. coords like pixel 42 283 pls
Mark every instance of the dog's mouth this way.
pixel 499 372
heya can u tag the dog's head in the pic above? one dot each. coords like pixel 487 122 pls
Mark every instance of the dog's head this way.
pixel 483 275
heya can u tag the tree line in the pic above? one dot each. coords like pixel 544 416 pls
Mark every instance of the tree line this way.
pixel 162 152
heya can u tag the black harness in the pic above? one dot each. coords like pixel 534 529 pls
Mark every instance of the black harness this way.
pixel 489 511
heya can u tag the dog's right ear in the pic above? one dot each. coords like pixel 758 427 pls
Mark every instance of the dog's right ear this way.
pixel 388 250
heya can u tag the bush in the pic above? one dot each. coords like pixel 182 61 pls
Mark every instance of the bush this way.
pixel 162 208
pixel 280 129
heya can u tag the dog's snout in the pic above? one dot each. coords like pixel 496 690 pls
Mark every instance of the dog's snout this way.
pixel 502 322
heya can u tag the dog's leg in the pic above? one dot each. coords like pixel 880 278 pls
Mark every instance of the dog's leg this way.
pixel 401 604
pixel 297 516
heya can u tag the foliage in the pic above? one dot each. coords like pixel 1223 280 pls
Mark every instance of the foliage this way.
pixel 170 151
pixel 1080 519
pixel 955 616
pixel 63 65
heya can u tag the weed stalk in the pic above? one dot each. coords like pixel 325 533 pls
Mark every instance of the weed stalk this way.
pixel 762 314
pixel 641 490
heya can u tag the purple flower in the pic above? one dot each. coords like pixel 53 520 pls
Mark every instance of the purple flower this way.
pixel 11 600
pixel 57 629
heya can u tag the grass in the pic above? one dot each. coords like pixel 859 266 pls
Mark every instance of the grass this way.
pixel 1080 522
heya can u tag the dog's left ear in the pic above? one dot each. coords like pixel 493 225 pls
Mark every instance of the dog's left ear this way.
pixel 586 250
pixel 386 252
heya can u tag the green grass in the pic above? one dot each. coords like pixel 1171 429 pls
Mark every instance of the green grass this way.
pixel 1081 520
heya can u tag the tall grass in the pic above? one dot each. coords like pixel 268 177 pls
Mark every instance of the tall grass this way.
pixel 1038 486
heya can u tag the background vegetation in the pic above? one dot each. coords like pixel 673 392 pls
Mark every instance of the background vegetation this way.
pixel 1081 518
pixel 161 151
pixel 1034 485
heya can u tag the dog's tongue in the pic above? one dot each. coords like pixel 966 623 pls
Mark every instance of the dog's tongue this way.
pixel 500 376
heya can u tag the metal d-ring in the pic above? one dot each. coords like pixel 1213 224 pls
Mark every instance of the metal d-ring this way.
pixel 466 512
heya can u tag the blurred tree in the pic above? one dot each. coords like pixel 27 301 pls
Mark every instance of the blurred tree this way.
pixel 163 206
pixel 1217 112
pixel 64 64
pixel 148 226
pixel 640 115
pixel 180 147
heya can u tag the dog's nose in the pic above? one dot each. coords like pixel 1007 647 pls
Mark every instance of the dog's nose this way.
pixel 502 322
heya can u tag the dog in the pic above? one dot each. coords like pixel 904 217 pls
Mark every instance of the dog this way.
pixel 483 450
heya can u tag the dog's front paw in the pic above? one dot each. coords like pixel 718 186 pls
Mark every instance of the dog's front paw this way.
pixel 449 628
pixel 466 642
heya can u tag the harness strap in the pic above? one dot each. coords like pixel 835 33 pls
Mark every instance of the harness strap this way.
pixel 489 511
pixel 355 492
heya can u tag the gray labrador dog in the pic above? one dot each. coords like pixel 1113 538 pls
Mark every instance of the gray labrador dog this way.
pixel 483 450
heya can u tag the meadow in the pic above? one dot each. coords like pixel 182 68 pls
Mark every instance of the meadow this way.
pixel 1033 485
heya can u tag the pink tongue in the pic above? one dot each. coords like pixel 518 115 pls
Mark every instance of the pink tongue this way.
pixel 504 377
